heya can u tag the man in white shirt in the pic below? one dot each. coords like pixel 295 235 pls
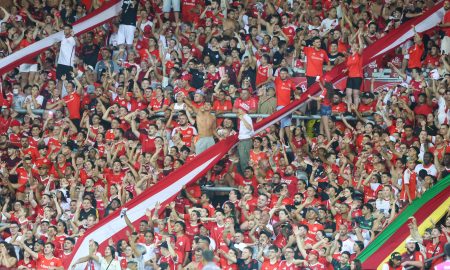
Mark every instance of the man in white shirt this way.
pixel 331 22
pixel 245 135
pixel 427 165
pixel 66 54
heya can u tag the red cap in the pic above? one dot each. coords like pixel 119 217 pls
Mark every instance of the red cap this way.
pixel 14 123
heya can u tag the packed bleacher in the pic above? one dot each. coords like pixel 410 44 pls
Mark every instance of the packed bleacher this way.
pixel 97 119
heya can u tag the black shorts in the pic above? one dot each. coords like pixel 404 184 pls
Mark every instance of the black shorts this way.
pixel 310 81
pixel 354 83
pixel 63 70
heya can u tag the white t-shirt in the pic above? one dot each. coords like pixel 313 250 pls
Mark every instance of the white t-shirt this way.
pixel 244 132
pixel 329 24
pixel 347 245
pixel 114 265
pixel 383 206
pixel 149 254
pixel 39 100
pixel 431 169
pixel 67 51
pixel 443 113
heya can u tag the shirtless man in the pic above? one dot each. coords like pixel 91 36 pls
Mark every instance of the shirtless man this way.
pixel 206 125
pixel 230 23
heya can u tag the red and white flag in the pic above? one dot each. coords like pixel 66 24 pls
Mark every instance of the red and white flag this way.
pixel 105 13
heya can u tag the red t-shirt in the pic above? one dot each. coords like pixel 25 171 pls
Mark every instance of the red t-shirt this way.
pixel 262 74
pixel 315 59
pixel 251 102
pixel 267 265
pixel 289 31
pixel 446 19
pixel 354 65
pixel 415 53
pixel 148 144
pixel 43 263
pixel 285 266
pixel 283 91
pixel 73 102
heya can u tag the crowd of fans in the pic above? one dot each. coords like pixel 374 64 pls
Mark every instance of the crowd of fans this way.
pixel 83 132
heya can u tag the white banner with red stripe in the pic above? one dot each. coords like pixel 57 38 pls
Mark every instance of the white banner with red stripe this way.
pixel 108 11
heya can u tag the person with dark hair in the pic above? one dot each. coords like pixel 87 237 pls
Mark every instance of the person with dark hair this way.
pixel 434 246
pixel 284 87
pixel 343 263
pixel 66 55
pixel 316 57
pixel 366 220
pixel 271 261
pixel 26 261
pixel 355 265
pixel 394 263
pixel 246 261
pixel 45 260
pixel 7 256
pixel 69 243
pixel 264 71
pixel 168 254
pixel 409 183
pixel 415 52
pixel 183 243
pixel 325 109
pixel 208 257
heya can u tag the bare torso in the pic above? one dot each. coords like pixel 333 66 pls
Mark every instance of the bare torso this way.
pixel 53 3
pixel 229 27
pixel 205 124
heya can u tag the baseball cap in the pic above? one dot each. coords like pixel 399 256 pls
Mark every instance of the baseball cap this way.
pixel 15 123
pixel 410 240
pixel 396 256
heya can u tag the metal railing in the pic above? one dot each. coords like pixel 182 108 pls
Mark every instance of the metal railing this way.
pixel 226 115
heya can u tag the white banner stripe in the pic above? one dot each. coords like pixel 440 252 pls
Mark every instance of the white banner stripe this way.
pixel 47 42
pixel 423 26
pixel 105 232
